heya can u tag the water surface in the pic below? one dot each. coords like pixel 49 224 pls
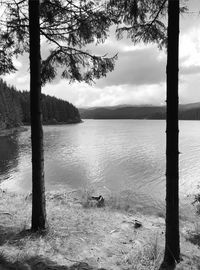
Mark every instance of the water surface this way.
pixel 113 155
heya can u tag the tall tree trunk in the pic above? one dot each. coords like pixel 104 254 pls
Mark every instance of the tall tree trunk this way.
pixel 38 187
pixel 172 243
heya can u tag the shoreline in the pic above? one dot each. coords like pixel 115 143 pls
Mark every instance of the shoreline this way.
pixel 52 123
pixel 11 131
pixel 123 200
pixel 82 233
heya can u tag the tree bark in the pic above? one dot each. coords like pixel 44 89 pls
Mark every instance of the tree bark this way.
pixel 38 186
pixel 172 241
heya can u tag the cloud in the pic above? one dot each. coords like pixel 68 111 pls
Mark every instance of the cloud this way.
pixel 190 47
pixel 83 95
pixel 136 67
pixel 140 72
pixel 190 70
pixel 189 89
pixel 20 79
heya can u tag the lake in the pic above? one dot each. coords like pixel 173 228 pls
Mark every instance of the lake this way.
pixel 106 155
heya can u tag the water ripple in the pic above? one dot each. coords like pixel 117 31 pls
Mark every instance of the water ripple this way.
pixel 117 154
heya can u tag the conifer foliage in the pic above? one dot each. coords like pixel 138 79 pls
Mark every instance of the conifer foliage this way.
pixel 15 108
pixel 66 28
pixel 10 109
pixel 140 20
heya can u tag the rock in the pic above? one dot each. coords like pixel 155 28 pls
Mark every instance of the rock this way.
pixel 137 224
pixel 100 201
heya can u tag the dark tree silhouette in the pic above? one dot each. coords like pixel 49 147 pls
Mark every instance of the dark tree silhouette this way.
pixel 67 28
pixel 172 242
pixel 38 186
pixel 6 53
pixel 140 20
pixel 15 108
pixel 142 23
pixel 10 109
pixel 54 110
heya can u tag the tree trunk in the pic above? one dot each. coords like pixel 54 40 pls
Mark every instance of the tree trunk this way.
pixel 172 244
pixel 38 187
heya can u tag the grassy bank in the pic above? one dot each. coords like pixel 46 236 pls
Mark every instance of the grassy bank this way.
pixel 82 236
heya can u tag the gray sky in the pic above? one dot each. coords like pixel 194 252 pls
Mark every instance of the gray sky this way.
pixel 139 75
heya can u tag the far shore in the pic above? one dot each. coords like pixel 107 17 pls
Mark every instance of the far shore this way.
pixel 21 128
pixel 56 123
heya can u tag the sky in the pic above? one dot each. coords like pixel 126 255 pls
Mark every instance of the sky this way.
pixel 139 76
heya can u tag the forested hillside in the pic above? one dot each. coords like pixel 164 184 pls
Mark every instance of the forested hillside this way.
pixel 10 109
pixel 186 112
pixel 123 112
pixel 14 108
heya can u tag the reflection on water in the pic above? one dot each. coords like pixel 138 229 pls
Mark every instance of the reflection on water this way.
pixel 113 155
pixel 8 156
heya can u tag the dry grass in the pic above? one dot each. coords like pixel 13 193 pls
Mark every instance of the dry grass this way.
pixel 193 234
pixel 79 236
pixel 126 201
pixel 147 256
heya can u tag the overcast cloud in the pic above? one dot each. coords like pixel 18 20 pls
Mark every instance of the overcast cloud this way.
pixel 139 75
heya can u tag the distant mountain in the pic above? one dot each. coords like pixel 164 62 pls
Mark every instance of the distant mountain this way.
pixel 189 106
pixel 15 108
pixel 122 112
pixel 186 112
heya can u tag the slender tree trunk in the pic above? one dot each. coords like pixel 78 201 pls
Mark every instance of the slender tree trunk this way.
pixel 172 243
pixel 38 187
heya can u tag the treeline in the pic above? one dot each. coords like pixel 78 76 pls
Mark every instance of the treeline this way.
pixel 186 112
pixel 10 108
pixel 122 112
pixel 15 108
pixel 190 114
pixel 54 110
